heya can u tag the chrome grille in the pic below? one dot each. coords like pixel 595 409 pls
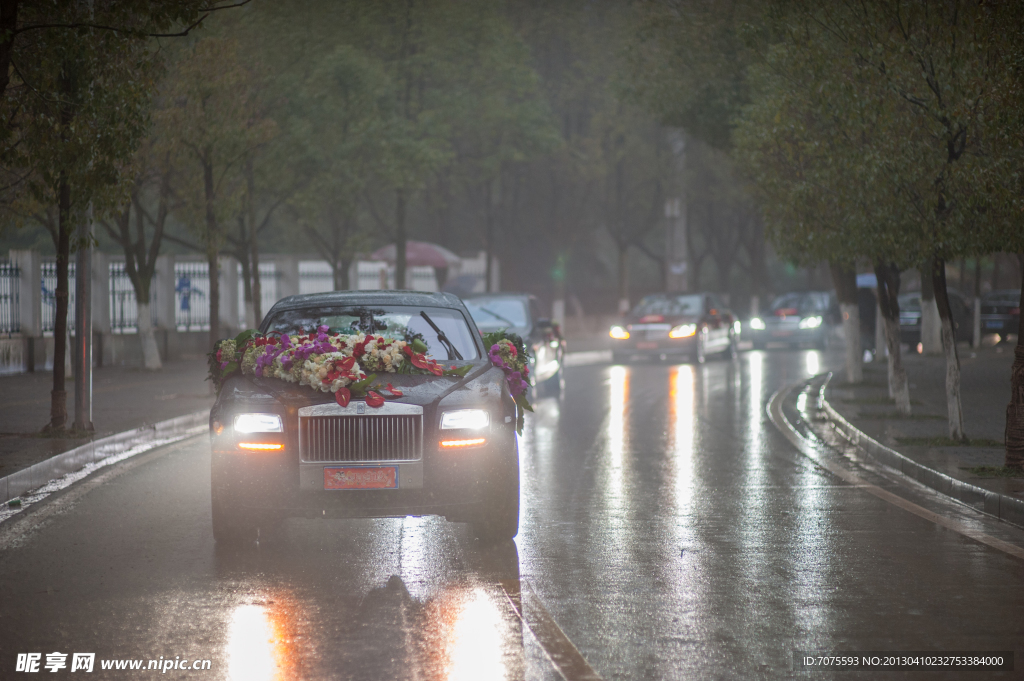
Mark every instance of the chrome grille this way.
pixel 369 437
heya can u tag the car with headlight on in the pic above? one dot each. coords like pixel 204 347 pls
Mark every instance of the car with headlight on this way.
pixel 692 325
pixel 519 313
pixel 911 316
pixel 793 319
pixel 445 446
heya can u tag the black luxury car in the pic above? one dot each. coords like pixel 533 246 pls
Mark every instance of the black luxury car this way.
pixel 794 318
pixel 447 446
pixel 689 324
pixel 1000 312
pixel 520 314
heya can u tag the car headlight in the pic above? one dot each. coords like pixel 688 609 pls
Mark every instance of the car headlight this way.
pixel 737 327
pixel 258 423
pixel 683 331
pixel 618 333
pixel 464 419
pixel 757 323
pixel 810 322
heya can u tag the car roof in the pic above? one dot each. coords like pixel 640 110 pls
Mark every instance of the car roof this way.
pixel 376 297
pixel 519 296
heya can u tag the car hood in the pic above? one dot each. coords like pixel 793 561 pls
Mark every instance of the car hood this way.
pixel 481 382
pixel 671 320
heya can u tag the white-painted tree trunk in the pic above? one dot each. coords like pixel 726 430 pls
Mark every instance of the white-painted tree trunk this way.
pixel 953 407
pixel 150 352
pixel 898 388
pixel 851 331
pixel 931 327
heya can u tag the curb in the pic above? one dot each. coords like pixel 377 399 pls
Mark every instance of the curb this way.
pixel 999 505
pixel 39 474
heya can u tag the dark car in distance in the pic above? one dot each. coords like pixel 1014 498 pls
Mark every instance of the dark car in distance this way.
pixel 910 317
pixel 692 325
pixel 793 319
pixel 520 314
pixel 1000 312
pixel 447 446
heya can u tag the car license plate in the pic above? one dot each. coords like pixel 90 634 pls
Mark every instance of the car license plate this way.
pixel 996 324
pixel 361 477
pixel 646 346
pixel 780 334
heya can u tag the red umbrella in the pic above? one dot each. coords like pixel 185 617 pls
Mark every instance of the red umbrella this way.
pixel 418 254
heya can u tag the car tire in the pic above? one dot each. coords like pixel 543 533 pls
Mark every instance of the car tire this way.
pixel 732 351
pixel 498 519
pixel 229 525
pixel 700 355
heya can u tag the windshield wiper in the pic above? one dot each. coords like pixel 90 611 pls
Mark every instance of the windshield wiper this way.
pixel 497 316
pixel 441 337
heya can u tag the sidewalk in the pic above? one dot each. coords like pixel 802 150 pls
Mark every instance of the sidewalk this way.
pixel 123 399
pixel 985 392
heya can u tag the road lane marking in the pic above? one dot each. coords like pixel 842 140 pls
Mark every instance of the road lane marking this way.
pixel 806 448
pixel 563 655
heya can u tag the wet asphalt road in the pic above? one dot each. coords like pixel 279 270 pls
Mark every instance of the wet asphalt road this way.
pixel 668 531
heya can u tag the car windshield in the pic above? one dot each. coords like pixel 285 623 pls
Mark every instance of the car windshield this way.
pixel 491 314
pixel 669 305
pixel 797 304
pixel 910 303
pixel 402 323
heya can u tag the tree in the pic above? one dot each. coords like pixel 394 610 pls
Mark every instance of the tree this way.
pixel 76 110
pixel 153 175
pixel 213 126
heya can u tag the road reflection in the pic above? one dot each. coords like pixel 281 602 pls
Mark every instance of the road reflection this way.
pixel 446 611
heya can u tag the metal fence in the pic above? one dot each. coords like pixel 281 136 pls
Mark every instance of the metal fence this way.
pixel 48 272
pixel 192 296
pixel 124 308
pixel 315 276
pixel 269 278
pixel 9 279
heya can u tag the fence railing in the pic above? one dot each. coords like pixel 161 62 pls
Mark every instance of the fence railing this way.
pixel 190 293
pixel 48 276
pixel 124 306
pixel 9 299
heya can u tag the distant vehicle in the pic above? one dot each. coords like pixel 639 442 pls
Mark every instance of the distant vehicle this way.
pixel 520 314
pixel 694 325
pixel 1000 312
pixel 793 319
pixel 910 317
pixel 441 445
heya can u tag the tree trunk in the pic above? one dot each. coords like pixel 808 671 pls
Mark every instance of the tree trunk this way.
pixel 59 396
pixel 953 407
pixel 844 278
pixel 213 263
pixel 623 278
pixel 8 23
pixel 340 271
pixel 400 239
pixel 254 248
pixel 931 322
pixel 212 250
pixel 488 237
pixel 150 352
pixel 1014 434
pixel 888 276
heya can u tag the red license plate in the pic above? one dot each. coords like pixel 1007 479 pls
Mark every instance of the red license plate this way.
pixel 646 346
pixel 361 477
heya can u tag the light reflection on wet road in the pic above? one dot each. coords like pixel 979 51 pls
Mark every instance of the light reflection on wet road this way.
pixel 667 531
